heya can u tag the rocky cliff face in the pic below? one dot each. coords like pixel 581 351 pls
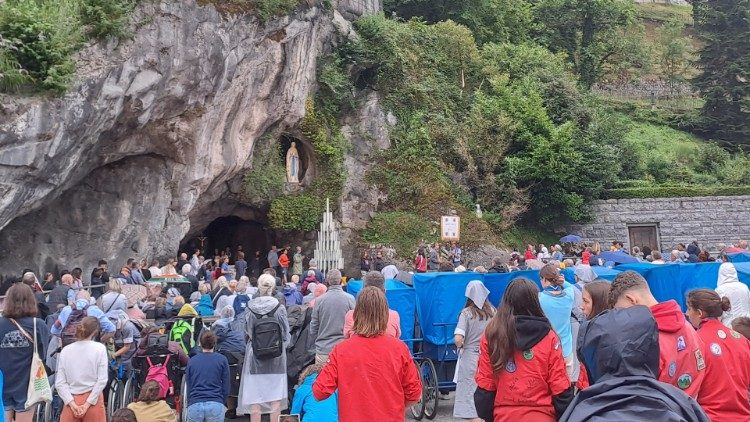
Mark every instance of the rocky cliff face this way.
pixel 142 149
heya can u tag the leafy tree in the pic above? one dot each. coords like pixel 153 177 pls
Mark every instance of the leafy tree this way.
pixel 724 82
pixel 489 20
pixel 591 32
pixel 674 51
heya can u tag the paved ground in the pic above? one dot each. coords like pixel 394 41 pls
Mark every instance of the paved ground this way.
pixel 445 413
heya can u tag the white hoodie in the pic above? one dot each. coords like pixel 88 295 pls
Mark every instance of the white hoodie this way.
pixel 729 286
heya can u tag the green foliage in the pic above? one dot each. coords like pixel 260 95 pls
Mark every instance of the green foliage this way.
pixel 675 50
pixel 38 38
pixel 591 32
pixel 661 12
pixel 675 192
pixel 268 9
pixel 402 231
pixel 106 18
pixel 336 88
pixel 519 236
pixel 302 211
pixel 496 21
pixel 508 118
pixel 724 83
pixel 12 76
pixel 265 181
pixel 41 36
pixel 296 212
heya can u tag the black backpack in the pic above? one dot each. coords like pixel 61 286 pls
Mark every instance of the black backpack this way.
pixel 267 339
pixel 157 344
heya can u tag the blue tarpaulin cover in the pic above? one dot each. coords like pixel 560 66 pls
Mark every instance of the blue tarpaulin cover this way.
pixel 440 298
pixel 401 298
pixel 739 257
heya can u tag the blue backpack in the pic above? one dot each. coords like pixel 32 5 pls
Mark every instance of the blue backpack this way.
pixel 240 304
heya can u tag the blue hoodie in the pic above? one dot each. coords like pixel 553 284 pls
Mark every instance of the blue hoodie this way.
pixel 205 307
pixel 312 410
pixel 292 295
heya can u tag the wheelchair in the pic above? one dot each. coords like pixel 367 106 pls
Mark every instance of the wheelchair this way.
pixel 126 389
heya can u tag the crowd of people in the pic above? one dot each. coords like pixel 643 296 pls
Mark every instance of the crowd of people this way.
pixel 283 329
pixel 301 344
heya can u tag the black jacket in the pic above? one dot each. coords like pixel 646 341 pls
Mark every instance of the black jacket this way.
pixel 620 350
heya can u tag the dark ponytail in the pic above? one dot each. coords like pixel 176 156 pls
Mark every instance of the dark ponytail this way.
pixel 709 302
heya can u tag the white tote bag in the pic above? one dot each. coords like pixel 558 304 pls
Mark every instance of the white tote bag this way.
pixel 39 388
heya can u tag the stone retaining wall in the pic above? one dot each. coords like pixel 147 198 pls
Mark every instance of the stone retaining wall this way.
pixel 710 220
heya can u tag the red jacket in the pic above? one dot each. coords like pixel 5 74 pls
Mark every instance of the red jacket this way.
pixel 682 354
pixel 526 385
pixel 529 255
pixel 284 261
pixel 420 264
pixel 723 394
pixel 375 377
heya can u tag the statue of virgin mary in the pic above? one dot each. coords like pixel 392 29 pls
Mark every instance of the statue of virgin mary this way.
pixel 292 164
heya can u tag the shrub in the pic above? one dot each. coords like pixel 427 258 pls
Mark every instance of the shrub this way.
pixel 675 192
pixel 265 181
pixel 12 76
pixel 402 231
pixel 42 35
pixel 268 9
pixel 296 212
pixel 106 18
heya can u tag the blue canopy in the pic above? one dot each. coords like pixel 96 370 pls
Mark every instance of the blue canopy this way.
pixel 739 257
pixel 401 298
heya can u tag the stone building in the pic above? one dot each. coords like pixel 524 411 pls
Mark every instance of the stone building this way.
pixel 663 222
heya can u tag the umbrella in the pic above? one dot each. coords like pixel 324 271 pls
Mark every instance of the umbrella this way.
pixel 618 258
pixel 168 278
pixel 571 238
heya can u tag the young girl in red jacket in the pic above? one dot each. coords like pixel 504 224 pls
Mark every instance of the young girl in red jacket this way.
pixel 520 359
pixel 723 394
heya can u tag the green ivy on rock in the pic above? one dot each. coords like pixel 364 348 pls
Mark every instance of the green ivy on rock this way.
pixel 302 211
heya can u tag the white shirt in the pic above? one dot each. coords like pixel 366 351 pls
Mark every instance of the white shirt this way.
pixel 729 286
pixel 155 272
pixel 81 368
pixel 389 272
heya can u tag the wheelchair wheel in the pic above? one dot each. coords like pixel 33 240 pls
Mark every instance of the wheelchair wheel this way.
pixel 430 395
pixel 128 392
pixel 115 395
pixel 417 410
pixel 43 412
pixel 183 400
